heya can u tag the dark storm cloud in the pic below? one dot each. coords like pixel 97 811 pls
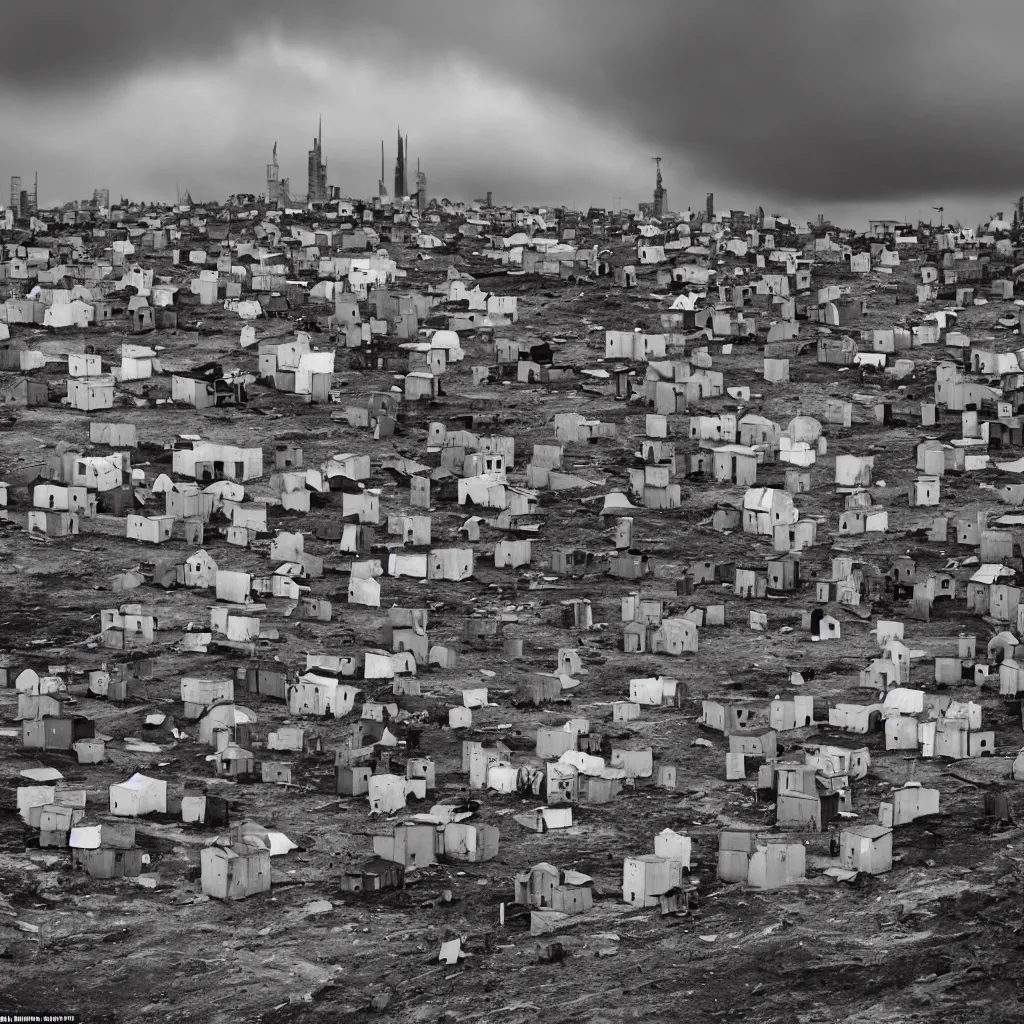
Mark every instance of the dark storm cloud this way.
pixel 802 99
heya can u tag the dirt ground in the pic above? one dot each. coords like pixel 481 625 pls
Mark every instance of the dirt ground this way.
pixel 934 940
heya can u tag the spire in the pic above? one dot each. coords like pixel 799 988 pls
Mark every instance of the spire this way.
pixel 320 132
pixel 401 188
pixel 381 159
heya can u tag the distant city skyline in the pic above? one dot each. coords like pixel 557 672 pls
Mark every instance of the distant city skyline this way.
pixel 276 188
pixel 967 211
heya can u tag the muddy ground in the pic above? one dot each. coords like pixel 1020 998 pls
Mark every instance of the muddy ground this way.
pixel 934 940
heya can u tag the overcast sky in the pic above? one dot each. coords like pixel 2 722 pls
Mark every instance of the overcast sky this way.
pixel 852 108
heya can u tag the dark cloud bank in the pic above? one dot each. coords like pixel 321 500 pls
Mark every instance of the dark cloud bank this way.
pixel 820 100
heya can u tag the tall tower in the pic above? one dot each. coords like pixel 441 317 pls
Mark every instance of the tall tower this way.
pixel 401 181
pixel 710 206
pixel 660 195
pixel 421 188
pixel 273 179
pixel 317 167
pixel 15 203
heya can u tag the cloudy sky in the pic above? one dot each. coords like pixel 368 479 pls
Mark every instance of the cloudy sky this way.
pixel 852 108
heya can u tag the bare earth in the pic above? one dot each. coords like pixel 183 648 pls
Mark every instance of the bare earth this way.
pixel 934 940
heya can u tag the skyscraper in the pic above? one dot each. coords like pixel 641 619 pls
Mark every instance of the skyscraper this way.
pixel 15 203
pixel 401 181
pixel 317 184
pixel 273 180
pixel 421 188
pixel 660 193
